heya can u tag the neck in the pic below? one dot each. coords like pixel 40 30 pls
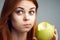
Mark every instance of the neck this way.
pixel 19 35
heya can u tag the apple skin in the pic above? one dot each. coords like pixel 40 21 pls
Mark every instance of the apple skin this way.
pixel 44 31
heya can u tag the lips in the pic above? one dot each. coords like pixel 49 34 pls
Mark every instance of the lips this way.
pixel 27 25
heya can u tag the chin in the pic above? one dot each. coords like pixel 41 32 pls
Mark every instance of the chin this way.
pixel 27 30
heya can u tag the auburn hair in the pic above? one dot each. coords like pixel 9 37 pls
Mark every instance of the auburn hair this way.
pixel 5 23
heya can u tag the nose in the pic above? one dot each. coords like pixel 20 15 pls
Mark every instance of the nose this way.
pixel 26 17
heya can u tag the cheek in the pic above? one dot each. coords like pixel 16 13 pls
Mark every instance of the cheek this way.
pixel 33 19
pixel 16 23
pixel 16 20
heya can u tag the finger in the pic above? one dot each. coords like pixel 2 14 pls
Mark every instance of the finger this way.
pixel 55 31
pixel 54 37
pixel 55 34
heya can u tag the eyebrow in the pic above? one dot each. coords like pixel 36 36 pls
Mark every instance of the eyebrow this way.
pixel 20 8
pixel 23 8
pixel 32 8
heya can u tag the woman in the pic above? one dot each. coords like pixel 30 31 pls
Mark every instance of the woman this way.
pixel 18 20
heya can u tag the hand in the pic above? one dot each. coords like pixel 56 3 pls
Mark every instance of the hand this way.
pixel 55 37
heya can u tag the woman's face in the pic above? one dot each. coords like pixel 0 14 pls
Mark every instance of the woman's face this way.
pixel 23 16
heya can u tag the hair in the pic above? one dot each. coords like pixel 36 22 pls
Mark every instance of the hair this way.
pixel 5 21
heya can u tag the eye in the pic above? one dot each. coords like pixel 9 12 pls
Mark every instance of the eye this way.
pixel 31 12
pixel 19 12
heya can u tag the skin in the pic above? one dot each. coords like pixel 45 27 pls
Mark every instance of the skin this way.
pixel 22 18
pixel 55 37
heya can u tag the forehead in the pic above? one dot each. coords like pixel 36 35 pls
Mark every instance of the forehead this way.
pixel 26 4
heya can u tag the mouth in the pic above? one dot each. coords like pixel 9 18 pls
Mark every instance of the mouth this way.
pixel 27 25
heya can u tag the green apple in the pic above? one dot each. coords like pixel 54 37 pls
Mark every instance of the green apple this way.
pixel 44 31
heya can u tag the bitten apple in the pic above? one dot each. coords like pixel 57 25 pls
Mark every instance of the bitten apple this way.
pixel 44 31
